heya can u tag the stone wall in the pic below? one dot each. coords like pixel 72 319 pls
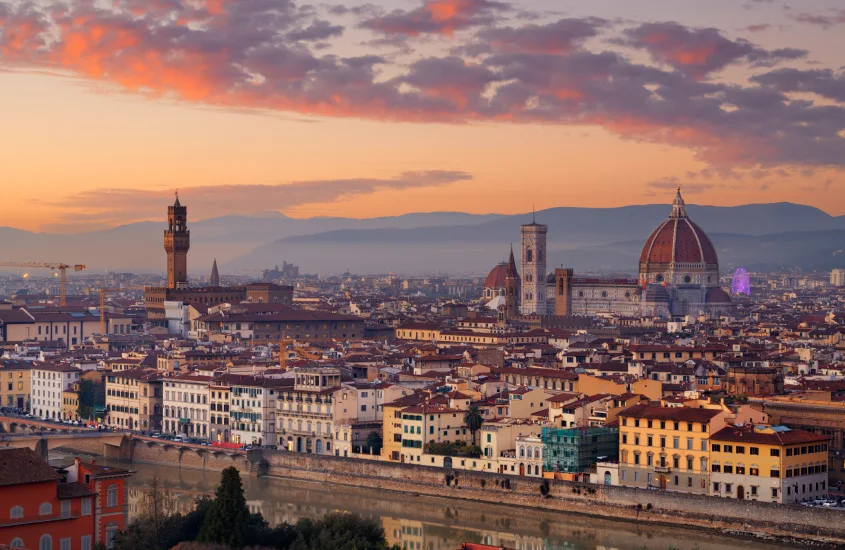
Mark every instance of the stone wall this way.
pixel 605 501
pixel 655 507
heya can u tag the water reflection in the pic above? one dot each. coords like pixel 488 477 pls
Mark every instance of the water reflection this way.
pixel 423 523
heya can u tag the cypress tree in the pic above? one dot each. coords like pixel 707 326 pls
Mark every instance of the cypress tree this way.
pixel 227 522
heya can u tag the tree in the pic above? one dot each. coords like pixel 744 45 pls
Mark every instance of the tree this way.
pixel 340 531
pixel 91 395
pixel 375 442
pixel 228 520
pixel 473 420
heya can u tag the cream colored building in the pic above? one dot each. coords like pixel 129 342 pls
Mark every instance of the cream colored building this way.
pixel 186 405
pixel 134 399
pixel 47 386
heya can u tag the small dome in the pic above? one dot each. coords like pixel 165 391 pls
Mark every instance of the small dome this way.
pixel 497 276
pixel 717 295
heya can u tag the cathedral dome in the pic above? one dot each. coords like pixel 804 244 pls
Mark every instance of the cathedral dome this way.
pixel 679 252
pixel 496 277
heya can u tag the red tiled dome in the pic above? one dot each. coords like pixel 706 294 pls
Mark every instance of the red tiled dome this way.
pixel 678 240
pixel 497 276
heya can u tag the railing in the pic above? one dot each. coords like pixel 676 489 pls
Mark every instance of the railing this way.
pixel 663 469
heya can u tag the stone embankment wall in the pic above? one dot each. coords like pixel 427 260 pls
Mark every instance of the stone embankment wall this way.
pixel 656 507
pixel 604 501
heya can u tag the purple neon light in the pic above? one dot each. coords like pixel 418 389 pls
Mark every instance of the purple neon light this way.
pixel 741 284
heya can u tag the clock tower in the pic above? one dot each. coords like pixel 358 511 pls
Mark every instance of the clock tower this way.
pixel 177 241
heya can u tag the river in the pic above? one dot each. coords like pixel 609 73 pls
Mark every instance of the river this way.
pixel 426 523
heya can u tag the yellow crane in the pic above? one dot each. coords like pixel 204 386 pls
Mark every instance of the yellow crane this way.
pixel 62 274
pixel 103 292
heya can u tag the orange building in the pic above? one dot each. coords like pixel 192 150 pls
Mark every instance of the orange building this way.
pixel 48 510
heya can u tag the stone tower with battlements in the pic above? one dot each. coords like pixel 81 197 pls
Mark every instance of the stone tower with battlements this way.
pixel 177 241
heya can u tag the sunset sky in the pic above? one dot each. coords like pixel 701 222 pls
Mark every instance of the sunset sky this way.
pixel 395 106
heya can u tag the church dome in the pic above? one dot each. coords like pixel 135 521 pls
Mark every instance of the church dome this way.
pixel 496 277
pixel 678 251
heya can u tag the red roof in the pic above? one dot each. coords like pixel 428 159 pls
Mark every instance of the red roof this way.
pixel 496 277
pixel 678 240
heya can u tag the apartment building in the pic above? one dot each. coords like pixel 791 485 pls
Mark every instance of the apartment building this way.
pixel 768 463
pixel 47 385
pixel 14 383
pixel 426 423
pixel 186 405
pixel 667 448
pixel 252 410
pixel 134 399
pixel 310 413
pixel 70 403
pixel 220 392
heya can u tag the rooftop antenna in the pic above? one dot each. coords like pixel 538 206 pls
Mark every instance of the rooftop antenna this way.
pixel 533 214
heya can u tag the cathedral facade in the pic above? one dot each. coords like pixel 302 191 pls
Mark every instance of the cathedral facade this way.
pixel 678 274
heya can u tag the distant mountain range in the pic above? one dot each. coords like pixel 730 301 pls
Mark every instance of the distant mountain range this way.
pixel 757 236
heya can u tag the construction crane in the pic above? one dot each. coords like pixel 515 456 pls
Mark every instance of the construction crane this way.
pixel 62 274
pixel 103 292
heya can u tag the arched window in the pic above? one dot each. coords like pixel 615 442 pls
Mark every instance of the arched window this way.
pixel 111 499
pixel 529 255
pixel 16 543
pixel 522 451
pixel 536 452
pixel 530 452
pixel 16 512
pixel 45 509
pixel 112 529
pixel 45 543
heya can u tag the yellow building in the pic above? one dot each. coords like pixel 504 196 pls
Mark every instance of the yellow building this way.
pixel 392 425
pixel 424 424
pixel 768 463
pixel 134 400
pixel 667 448
pixel 14 383
pixel 70 403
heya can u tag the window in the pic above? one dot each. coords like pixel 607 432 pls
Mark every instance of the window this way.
pixel 112 496
pixel 17 543
pixel 754 451
pixel 729 448
pixel 740 450
pixel 45 543
pixel 111 533
pixel 16 513
pixel 716 487
pixel 774 493
pixel 45 510
pixel 64 544
pixel 716 447
pixel 774 452
pixel 728 469
pixel 65 508
pixel 774 473
pixel 86 542
pixel 754 471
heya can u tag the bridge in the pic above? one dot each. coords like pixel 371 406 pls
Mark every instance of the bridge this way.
pixel 42 437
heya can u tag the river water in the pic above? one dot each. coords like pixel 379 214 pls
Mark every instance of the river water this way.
pixel 426 523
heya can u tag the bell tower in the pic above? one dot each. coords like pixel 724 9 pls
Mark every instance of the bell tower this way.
pixel 177 241
pixel 534 268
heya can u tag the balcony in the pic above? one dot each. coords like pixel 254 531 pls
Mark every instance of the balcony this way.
pixel 663 469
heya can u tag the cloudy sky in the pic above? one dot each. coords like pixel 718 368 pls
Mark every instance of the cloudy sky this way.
pixel 394 106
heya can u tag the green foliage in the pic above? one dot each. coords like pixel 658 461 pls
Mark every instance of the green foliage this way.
pixel 375 442
pixel 91 394
pixel 228 519
pixel 225 522
pixel 339 531
pixel 453 449
pixel 473 420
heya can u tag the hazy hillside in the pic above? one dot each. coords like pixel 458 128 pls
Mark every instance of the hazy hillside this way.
pixel 585 238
